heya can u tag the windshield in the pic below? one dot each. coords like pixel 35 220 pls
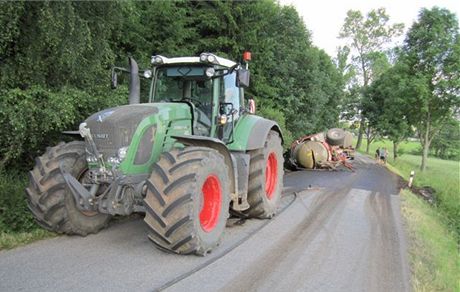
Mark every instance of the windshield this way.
pixel 183 83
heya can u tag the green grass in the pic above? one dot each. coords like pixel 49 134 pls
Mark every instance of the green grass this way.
pixel 17 225
pixel 443 176
pixel 407 147
pixel 433 252
pixel 15 239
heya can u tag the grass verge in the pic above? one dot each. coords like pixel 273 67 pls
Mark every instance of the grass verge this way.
pixel 15 239
pixel 433 252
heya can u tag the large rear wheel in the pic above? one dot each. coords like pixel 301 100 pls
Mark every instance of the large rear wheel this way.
pixel 187 200
pixel 266 178
pixel 49 198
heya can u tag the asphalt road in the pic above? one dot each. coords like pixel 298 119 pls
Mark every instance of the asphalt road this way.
pixel 341 231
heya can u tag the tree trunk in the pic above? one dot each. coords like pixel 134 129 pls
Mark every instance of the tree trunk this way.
pixel 426 148
pixel 360 134
pixel 368 144
pixel 369 138
pixel 425 140
pixel 395 150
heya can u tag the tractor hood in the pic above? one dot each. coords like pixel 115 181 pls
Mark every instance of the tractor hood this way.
pixel 114 128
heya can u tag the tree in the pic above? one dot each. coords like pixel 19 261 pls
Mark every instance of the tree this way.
pixel 366 36
pixel 386 106
pixel 447 142
pixel 431 53
pixel 62 52
pixel 370 107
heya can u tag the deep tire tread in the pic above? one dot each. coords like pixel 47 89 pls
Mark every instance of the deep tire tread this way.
pixel 260 205
pixel 178 233
pixel 48 196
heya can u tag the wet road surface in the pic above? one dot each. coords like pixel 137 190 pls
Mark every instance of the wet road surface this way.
pixel 340 232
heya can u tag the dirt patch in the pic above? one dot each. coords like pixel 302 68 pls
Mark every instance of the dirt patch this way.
pixel 427 193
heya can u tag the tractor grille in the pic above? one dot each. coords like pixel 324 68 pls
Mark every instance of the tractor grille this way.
pixel 114 128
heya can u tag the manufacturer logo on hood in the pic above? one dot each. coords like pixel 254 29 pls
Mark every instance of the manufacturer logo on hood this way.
pixel 100 136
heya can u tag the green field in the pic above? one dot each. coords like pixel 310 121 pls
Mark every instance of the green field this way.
pixel 407 147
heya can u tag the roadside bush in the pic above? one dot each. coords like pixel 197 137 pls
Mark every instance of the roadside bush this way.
pixel 28 118
pixel 33 118
pixel 416 151
pixel 14 213
pixel 276 115
pixel 401 151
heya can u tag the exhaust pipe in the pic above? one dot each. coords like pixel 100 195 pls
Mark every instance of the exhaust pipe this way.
pixel 134 82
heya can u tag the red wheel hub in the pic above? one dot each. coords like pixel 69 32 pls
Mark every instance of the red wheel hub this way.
pixel 271 175
pixel 212 201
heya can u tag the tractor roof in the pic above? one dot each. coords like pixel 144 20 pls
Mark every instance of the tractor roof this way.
pixel 204 58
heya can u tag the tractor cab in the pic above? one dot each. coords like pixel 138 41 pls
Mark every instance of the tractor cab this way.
pixel 212 86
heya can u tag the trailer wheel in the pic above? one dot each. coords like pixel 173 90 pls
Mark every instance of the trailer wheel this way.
pixel 265 178
pixel 48 197
pixel 335 136
pixel 187 200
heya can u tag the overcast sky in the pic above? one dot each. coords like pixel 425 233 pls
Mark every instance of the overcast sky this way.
pixel 324 18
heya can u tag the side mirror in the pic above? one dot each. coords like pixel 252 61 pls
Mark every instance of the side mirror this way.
pixel 114 82
pixel 226 108
pixel 242 79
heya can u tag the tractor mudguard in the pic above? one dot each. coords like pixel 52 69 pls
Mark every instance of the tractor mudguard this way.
pixel 213 143
pixel 251 133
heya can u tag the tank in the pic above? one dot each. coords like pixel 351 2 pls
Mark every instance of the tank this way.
pixel 310 153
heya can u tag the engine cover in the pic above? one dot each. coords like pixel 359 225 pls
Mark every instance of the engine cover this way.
pixel 114 128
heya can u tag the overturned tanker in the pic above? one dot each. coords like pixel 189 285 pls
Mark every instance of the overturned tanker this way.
pixel 322 150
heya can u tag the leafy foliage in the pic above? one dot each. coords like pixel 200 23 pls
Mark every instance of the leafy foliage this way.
pixel 432 56
pixel 14 214
pixel 447 142
pixel 386 106
pixel 367 37
pixel 33 118
pixel 56 55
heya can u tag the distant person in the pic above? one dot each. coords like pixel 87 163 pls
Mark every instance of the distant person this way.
pixel 383 155
pixel 377 154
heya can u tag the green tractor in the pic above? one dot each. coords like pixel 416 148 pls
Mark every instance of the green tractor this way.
pixel 186 159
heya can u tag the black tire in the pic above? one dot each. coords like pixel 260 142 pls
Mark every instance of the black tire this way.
pixel 335 136
pixel 48 197
pixel 263 202
pixel 175 200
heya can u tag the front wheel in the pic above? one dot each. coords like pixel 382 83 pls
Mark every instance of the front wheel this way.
pixel 265 178
pixel 49 198
pixel 187 200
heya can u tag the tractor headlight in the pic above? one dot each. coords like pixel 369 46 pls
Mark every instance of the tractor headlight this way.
pixel 157 60
pixel 91 158
pixel 203 57
pixel 122 153
pixel 147 74
pixel 210 72
pixel 211 58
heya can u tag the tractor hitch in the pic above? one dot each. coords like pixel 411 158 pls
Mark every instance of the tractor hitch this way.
pixel 85 199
